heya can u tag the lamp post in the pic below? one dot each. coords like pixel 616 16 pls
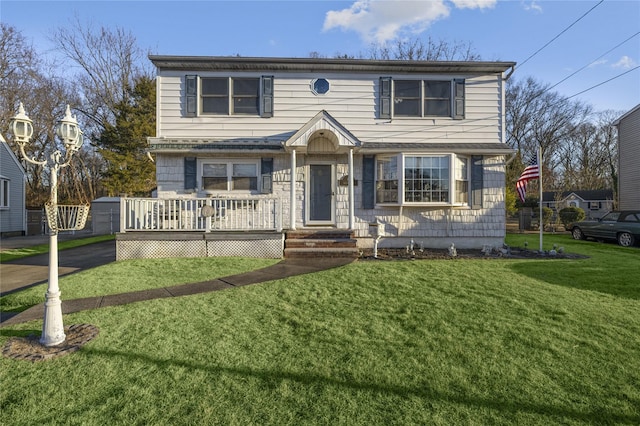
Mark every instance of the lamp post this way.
pixel 71 136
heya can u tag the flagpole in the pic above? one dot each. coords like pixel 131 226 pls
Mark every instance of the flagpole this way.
pixel 540 185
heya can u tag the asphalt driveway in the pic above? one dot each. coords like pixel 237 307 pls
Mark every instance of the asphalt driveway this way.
pixel 33 270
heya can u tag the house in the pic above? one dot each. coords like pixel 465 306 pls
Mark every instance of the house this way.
pixel 263 155
pixel 595 203
pixel 13 219
pixel 628 159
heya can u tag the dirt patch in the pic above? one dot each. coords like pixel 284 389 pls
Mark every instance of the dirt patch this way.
pixel 30 348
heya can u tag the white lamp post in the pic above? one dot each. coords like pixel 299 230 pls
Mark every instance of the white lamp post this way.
pixel 71 135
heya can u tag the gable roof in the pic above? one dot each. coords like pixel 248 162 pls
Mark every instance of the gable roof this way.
pixel 584 195
pixel 320 122
pixel 5 147
pixel 628 113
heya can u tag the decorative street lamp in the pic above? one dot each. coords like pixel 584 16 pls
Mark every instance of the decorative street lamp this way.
pixel 71 136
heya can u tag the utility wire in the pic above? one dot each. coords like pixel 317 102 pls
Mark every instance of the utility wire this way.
pixel 606 81
pixel 562 32
pixel 592 62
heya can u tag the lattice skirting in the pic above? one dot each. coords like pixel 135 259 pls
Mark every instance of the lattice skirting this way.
pixel 137 246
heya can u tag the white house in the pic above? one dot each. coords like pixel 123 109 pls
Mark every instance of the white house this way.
pixel 253 149
pixel 629 157
pixel 13 219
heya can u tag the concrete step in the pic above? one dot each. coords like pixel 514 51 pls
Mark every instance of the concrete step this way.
pixel 323 243
pixel 323 252
pixel 319 234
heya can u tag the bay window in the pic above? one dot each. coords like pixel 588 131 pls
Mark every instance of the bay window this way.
pixel 441 179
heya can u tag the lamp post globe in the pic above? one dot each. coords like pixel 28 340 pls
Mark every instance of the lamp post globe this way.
pixel 21 126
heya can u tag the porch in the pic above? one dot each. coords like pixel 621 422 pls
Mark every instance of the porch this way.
pixel 214 227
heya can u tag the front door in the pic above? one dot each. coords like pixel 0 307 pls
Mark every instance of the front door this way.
pixel 320 200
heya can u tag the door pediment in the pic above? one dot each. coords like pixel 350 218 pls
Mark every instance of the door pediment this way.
pixel 322 134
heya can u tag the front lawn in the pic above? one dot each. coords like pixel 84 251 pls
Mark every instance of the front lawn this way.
pixel 486 341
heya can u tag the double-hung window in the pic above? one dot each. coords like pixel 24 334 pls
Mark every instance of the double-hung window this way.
pixel 441 179
pixel 422 98
pixel 228 96
pixel 232 175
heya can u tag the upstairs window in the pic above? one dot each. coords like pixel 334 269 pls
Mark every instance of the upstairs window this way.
pixel 421 98
pixel 228 96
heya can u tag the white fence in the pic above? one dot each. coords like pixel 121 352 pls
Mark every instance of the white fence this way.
pixel 200 214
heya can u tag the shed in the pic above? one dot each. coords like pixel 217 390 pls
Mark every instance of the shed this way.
pixel 105 215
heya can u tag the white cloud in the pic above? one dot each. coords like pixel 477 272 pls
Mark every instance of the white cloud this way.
pixel 474 4
pixel 533 6
pixel 625 63
pixel 384 20
pixel 597 63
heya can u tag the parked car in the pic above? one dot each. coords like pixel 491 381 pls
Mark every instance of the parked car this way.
pixel 623 226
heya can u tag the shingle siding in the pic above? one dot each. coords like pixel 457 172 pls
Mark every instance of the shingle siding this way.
pixel 353 102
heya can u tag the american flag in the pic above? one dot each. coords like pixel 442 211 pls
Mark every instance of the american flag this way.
pixel 532 171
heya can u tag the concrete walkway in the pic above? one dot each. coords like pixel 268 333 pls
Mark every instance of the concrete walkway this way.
pixel 284 269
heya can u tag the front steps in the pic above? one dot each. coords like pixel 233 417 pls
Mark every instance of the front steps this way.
pixel 316 243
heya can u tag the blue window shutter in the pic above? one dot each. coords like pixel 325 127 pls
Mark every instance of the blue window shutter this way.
pixel 477 176
pixel 190 173
pixel 385 97
pixel 267 97
pixel 191 95
pixel 458 99
pixel 368 181
pixel 266 170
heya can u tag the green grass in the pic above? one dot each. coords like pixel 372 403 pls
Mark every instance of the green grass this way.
pixel 485 341
pixel 133 275
pixel 14 254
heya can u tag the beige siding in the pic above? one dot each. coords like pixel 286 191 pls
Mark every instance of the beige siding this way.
pixel 629 154
pixel 352 101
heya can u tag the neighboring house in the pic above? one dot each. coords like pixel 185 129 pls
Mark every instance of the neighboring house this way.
pixel 253 149
pixel 628 160
pixel 13 220
pixel 595 203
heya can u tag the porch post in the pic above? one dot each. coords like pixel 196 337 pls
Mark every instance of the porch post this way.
pixel 351 195
pixel 292 206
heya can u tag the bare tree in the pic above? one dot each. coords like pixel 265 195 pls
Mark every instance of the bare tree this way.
pixel 424 50
pixel 110 60
pixel 28 79
pixel 537 117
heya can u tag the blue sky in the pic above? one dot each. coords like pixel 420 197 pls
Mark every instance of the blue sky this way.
pixel 498 30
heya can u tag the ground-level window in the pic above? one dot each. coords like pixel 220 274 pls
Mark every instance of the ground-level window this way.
pixel 4 193
pixel 422 179
pixel 231 175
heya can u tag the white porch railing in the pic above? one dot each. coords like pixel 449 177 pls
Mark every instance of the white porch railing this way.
pixel 200 214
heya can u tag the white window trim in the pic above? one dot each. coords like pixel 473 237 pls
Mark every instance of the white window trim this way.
pixel 5 192
pixel 230 110
pixel 452 94
pixel 401 179
pixel 229 162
